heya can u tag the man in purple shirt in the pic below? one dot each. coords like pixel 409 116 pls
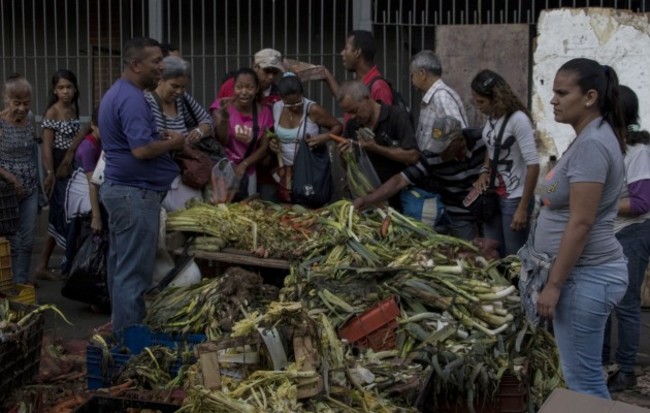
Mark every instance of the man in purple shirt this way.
pixel 139 171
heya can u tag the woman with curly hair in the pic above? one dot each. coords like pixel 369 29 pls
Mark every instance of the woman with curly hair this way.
pixel 517 166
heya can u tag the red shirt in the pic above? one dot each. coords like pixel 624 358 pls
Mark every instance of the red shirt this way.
pixel 380 90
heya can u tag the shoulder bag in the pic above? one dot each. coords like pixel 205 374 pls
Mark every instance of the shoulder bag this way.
pixel 486 204
pixel 312 178
pixel 196 166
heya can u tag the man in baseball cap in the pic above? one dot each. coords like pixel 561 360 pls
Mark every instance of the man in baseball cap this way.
pixel 267 63
pixel 269 58
pixel 452 164
pixel 443 132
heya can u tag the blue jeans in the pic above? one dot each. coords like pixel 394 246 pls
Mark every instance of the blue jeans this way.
pixel 498 228
pixel 22 242
pixel 586 301
pixel 635 240
pixel 133 223
pixel 464 228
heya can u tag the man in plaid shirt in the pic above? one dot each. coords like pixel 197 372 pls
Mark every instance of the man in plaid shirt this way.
pixel 439 100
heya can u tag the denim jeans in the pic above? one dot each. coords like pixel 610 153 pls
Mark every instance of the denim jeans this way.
pixel 498 228
pixel 587 298
pixel 22 242
pixel 133 223
pixel 464 228
pixel 635 240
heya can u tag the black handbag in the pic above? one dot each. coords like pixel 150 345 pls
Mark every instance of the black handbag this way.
pixel 312 178
pixel 487 203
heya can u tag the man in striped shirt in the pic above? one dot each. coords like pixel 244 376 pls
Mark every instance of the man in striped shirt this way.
pixel 452 165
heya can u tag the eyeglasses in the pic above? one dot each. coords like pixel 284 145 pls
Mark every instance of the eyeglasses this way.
pixel 293 105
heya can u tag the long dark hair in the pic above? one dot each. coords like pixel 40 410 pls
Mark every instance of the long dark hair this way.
pixel 630 109
pixel 494 87
pixel 603 79
pixel 69 76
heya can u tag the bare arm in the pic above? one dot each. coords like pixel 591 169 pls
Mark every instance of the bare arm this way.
pixel 389 188
pixel 521 214
pixel 64 168
pixel 584 198
pixel 48 160
pixel 405 156
pixel 157 148
pixel 93 190
pixel 221 119
pixel 323 119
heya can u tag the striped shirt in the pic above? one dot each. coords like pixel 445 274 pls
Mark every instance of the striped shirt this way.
pixel 452 179
pixel 183 121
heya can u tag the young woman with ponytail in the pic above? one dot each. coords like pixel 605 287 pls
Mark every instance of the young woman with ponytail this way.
pixel 575 227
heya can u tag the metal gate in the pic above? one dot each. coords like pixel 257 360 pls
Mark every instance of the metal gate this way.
pixel 39 36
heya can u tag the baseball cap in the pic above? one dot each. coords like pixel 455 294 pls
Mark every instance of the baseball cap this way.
pixel 444 130
pixel 269 58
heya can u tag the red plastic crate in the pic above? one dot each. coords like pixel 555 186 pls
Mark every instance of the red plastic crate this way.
pixel 376 328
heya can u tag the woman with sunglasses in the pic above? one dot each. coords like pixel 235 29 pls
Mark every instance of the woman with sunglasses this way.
pixel 295 118
pixel 517 166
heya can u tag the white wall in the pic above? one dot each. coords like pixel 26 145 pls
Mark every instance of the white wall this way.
pixel 620 39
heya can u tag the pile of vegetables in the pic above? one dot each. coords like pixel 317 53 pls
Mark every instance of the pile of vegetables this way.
pixel 460 318
pixel 212 306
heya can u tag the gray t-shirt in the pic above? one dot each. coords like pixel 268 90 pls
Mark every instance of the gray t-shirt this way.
pixel 594 156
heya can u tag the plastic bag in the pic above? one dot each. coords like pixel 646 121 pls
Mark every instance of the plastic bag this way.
pixel 223 181
pixel 366 167
pixel 87 280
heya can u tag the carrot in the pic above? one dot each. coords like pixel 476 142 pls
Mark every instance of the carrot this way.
pixel 384 227
pixel 338 139
pixel 67 404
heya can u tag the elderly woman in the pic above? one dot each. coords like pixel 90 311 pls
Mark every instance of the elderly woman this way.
pixel 19 167
pixel 176 112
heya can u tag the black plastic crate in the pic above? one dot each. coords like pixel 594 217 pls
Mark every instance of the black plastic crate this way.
pixel 20 355
pixel 108 404
pixel 9 213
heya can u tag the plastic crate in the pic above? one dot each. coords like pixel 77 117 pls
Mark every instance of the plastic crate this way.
pixel 21 355
pixel 5 248
pixel 18 293
pixel 6 274
pixel 513 395
pixel 9 212
pixel 108 404
pixel 376 328
pixel 124 345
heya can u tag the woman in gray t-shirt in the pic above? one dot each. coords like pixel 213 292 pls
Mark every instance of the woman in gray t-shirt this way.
pixel 576 224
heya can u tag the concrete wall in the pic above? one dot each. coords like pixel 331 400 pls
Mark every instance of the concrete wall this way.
pixel 620 39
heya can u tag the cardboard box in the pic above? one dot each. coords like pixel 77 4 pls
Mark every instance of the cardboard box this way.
pixel 563 400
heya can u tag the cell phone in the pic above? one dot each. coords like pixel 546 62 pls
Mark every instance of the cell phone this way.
pixel 471 197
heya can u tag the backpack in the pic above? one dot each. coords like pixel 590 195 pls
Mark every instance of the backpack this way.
pixel 398 99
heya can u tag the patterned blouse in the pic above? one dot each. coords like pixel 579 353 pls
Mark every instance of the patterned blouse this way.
pixel 64 131
pixel 18 153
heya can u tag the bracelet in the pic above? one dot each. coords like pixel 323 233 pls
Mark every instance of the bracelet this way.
pixel 199 131
pixel 484 170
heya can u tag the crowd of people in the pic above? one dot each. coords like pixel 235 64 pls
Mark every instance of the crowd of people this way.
pixel 594 204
